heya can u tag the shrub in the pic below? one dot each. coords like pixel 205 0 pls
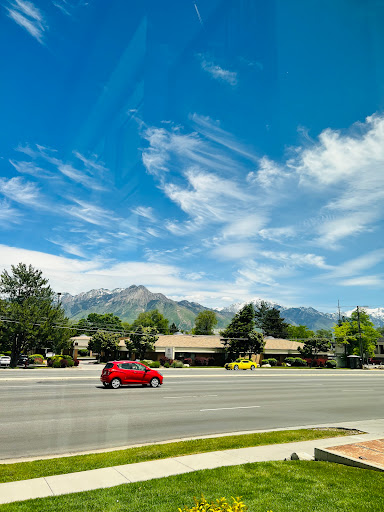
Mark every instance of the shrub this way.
pixel 36 358
pixel 331 363
pixel 56 363
pixel 201 361
pixel 76 362
pixel 147 362
pixel 271 361
pixel 154 364
pixel 211 361
pixel 177 364
pixel 299 362
pixel 164 359
pixel 166 365
pixel 187 360
pixel 290 360
pixel 216 506
pixel 83 352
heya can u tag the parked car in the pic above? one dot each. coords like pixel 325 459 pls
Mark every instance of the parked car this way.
pixel 5 360
pixel 23 359
pixel 120 373
pixel 240 364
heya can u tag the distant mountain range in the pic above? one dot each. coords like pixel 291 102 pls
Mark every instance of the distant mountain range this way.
pixel 127 303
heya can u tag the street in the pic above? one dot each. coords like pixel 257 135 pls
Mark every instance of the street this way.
pixel 47 412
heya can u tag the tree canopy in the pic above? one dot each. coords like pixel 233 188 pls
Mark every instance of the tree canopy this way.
pixel 299 332
pixel 348 334
pixel 312 347
pixel 205 321
pixel 104 343
pixel 141 341
pixel 240 336
pixel 268 319
pixel 153 319
pixel 32 318
pixel 95 322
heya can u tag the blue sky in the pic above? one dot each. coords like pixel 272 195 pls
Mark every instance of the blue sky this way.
pixel 214 151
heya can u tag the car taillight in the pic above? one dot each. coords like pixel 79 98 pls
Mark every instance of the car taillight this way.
pixel 107 372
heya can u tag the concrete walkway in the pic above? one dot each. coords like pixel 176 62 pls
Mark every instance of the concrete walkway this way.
pixel 117 475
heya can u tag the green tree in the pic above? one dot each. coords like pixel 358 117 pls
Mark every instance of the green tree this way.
pixel 173 328
pixel 95 322
pixel 312 347
pixel 31 318
pixel 241 336
pixel 325 333
pixel 105 344
pixel 141 341
pixel 356 339
pixel 268 319
pixel 152 318
pixel 299 332
pixel 205 322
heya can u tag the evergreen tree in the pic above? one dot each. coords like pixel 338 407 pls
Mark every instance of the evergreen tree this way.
pixel 240 335
pixel 268 319
pixel 205 322
pixel 32 319
pixel 173 328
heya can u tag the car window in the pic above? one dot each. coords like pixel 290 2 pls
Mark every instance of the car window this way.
pixel 108 365
pixel 126 366
pixel 138 366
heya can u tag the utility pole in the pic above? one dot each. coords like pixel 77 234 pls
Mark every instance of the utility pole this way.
pixel 360 340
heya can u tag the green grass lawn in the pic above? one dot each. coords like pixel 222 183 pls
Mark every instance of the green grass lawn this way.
pixel 292 486
pixel 59 466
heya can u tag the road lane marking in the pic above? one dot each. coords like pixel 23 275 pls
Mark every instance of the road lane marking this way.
pixel 189 396
pixel 231 408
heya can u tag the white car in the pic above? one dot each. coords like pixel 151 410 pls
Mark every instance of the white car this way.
pixel 5 360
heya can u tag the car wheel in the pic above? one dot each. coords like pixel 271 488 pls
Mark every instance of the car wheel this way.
pixel 105 384
pixel 252 367
pixel 236 367
pixel 115 383
pixel 155 382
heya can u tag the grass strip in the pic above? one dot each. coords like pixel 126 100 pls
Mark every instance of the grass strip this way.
pixel 289 486
pixel 60 466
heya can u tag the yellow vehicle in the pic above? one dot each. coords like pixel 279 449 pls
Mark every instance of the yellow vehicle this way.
pixel 240 364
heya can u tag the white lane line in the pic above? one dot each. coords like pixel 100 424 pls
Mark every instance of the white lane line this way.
pixel 230 408
pixel 189 396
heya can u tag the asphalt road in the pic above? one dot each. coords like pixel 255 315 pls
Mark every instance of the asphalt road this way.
pixel 46 412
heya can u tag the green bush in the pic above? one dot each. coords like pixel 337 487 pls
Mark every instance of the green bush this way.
pixel 331 363
pixel 36 358
pixel 217 506
pixel 272 361
pixel 299 362
pixel 147 362
pixel 154 364
pixel 56 363
pixel 83 352
pixel 166 365
pixel 177 364
pixel 290 360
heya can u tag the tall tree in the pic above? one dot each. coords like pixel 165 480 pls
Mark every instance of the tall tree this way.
pixel 240 335
pixel 299 332
pixel 312 347
pixel 152 318
pixel 268 319
pixel 205 322
pixel 105 344
pixel 95 322
pixel 141 341
pixel 357 334
pixel 32 319
pixel 173 328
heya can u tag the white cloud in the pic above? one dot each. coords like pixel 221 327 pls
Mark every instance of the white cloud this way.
pixel 91 213
pixel 78 176
pixel 8 215
pixel 20 191
pixel 296 259
pixel 29 168
pixel 365 281
pixel 216 71
pixel 29 17
pixel 144 211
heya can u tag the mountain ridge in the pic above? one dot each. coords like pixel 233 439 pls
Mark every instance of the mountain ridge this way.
pixel 127 303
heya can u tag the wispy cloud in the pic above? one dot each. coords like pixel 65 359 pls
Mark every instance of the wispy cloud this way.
pixel 8 215
pixel 21 191
pixel 30 168
pixel 144 211
pixel 29 17
pixel 216 71
pixel 90 213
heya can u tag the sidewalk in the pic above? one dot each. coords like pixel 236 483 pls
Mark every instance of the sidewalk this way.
pixel 117 475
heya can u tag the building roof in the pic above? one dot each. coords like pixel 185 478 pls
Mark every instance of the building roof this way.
pixel 281 344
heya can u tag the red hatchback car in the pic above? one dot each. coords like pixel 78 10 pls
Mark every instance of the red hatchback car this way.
pixel 119 373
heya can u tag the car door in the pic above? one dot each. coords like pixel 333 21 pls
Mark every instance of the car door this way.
pixel 126 373
pixel 138 373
